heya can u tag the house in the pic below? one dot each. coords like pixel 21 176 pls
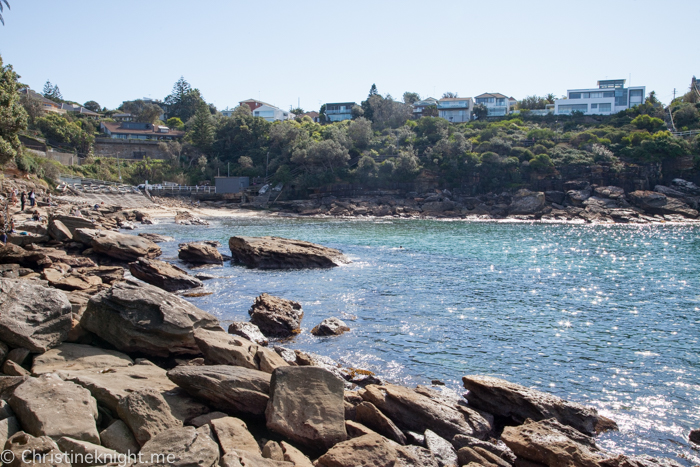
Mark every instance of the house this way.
pixel 313 115
pixel 267 111
pixel 79 109
pixel 456 109
pixel 496 103
pixel 142 131
pixel 339 111
pixel 512 102
pixel 123 117
pixel 420 106
pixel 47 105
pixel 611 96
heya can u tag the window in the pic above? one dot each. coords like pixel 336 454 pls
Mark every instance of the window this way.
pixel 596 95
pixel 609 94
pixel 565 109
pixel 574 95
pixel 501 102
pixel 604 107
pixel 636 96
pixel 594 106
pixel 585 95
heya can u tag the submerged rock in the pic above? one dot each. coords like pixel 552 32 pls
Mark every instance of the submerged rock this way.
pixel 156 238
pixel 276 316
pixel 282 253
pixel 330 327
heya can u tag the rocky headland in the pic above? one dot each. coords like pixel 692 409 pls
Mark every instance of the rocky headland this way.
pixel 100 354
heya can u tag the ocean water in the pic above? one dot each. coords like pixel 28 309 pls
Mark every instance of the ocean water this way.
pixel 607 316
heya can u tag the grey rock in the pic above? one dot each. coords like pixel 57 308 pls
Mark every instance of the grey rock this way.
pixel 657 203
pixel 367 414
pixel 206 418
pixel 554 197
pixel 156 238
pixel 612 192
pixel 276 316
pixel 119 437
pixel 74 222
pixel 8 427
pixel 91 454
pixel 306 406
pixel 685 186
pixel 34 317
pixel 233 435
pixel 519 403
pixel 220 348
pixel 136 317
pixel 527 202
pixel 330 327
pixel 442 450
pixel 147 414
pixel 496 447
pixel 694 436
pixel 161 274
pixel 230 388
pixel 19 355
pixel 22 442
pixel 295 456
pixel 248 330
pixel 186 447
pixel 282 253
pixel 58 231
pixel 199 253
pixel 48 406
pixel 272 450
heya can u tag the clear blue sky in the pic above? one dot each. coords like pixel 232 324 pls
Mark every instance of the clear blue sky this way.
pixel 330 51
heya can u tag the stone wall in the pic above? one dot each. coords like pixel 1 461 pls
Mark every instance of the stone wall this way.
pixel 128 149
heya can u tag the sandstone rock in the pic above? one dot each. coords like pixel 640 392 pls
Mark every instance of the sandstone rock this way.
pixel 233 435
pixel 519 403
pixel 415 456
pixel 330 327
pixel 9 271
pixel 58 231
pixel 5 411
pixel 442 450
pixel 186 218
pixel 231 388
pixel 34 317
pixel 367 414
pixel 467 456
pixel 147 414
pixel 527 202
pixel 369 450
pixel 156 238
pixel 73 222
pixel 220 348
pixel 187 447
pixel 163 275
pixel 124 247
pixel 498 448
pixel 108 274
pixel 657 203
pixel 411 410
pixel 282 253
pixel 306 406
pixel 19 355
pixel 492 458
pixel 48 406
pixel 552 444
pixel 9 383
pixel 76 282
pixel 555 197
pixel 136 317
pixel 612 192
pixel 272 450
pixel 8 427
pixel 11 368
pixel 76 357
pixel 295 456
pixel 13 254
pixel 119 437
pixel 199 253
pixel 249 331
pixel 110 385
pixel 276 316
pixel 578 196
pixel 85 235
pixel 22 442
pixel 91 454
pixel 206 418
pixel 436 207
pixel 249 459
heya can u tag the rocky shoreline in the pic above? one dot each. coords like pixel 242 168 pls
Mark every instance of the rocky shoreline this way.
pixel 94 361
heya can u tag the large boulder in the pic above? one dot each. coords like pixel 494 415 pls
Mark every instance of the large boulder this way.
pixel 86 454
pixel 414 411
pixel 21 443
pixel 653 202
pixel 367 414
pixel 442 450
pixel 518 403
pixel 136 317
pixel 233 435
pixel 147 414
pixel 58 231
pixel 181 447
pixel 13 254
pixel 248 331
pixel 73 222
pixel 275 316
pixel 220 348
pixel 199 253
pixel 527 202
pixel 34 317
pixel 75 357
pixel 118 436
pixel 282 253
pixel 231 388
pixel 373 450
pixel 49 406
pixel 124 247
pixel 110 385
pixel 164 275
pixel 306 406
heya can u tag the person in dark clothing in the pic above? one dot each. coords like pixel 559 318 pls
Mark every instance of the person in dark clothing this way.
pixel 22 200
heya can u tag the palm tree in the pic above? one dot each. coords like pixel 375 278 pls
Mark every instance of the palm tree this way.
pixel 8 7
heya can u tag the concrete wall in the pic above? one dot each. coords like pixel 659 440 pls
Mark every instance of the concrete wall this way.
pixel 107 147
pixel 231 184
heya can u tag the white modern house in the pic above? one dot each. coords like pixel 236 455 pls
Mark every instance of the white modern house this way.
pixel 271 113
pixel 455 109
pixel 497 104
pixel 611 96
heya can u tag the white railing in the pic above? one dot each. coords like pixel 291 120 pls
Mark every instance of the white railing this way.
pixel 158 189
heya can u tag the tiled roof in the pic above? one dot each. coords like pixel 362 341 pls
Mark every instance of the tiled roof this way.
pixel 492 94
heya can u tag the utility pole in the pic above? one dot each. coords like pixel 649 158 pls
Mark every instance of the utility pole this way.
pixel 268 163
pixel 674 94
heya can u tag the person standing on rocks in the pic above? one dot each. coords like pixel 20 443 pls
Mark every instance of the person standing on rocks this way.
pixel 22 200
pixel 32 198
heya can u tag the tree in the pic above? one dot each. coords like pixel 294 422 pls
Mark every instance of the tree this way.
pixel 183 101
pixel 449 95
pixel 13 117
pixel 356 112
pixel 173 149
pixel 373 90
pixel 410 97
pixel 360 132
pixel 645 122
pixel 535 102
pixel 366 106
pixel 480 111
pixel 1 10
pixel 430 111
pixel 52 92
pixel 92 105
pixel 175 123
pixel 322 117
pixel 202 129
pixel 32 106
pixel 652 99
pixel 142 111
pixel 298 111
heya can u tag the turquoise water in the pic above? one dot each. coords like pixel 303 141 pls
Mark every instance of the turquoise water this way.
pixel 603 315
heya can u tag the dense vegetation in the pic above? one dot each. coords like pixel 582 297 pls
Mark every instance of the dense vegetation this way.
pixel 382 145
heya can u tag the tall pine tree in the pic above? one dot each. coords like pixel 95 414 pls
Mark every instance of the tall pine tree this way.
pixel 13 117
pixel 202 129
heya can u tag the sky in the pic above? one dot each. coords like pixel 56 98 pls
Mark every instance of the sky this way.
pixel 312 52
